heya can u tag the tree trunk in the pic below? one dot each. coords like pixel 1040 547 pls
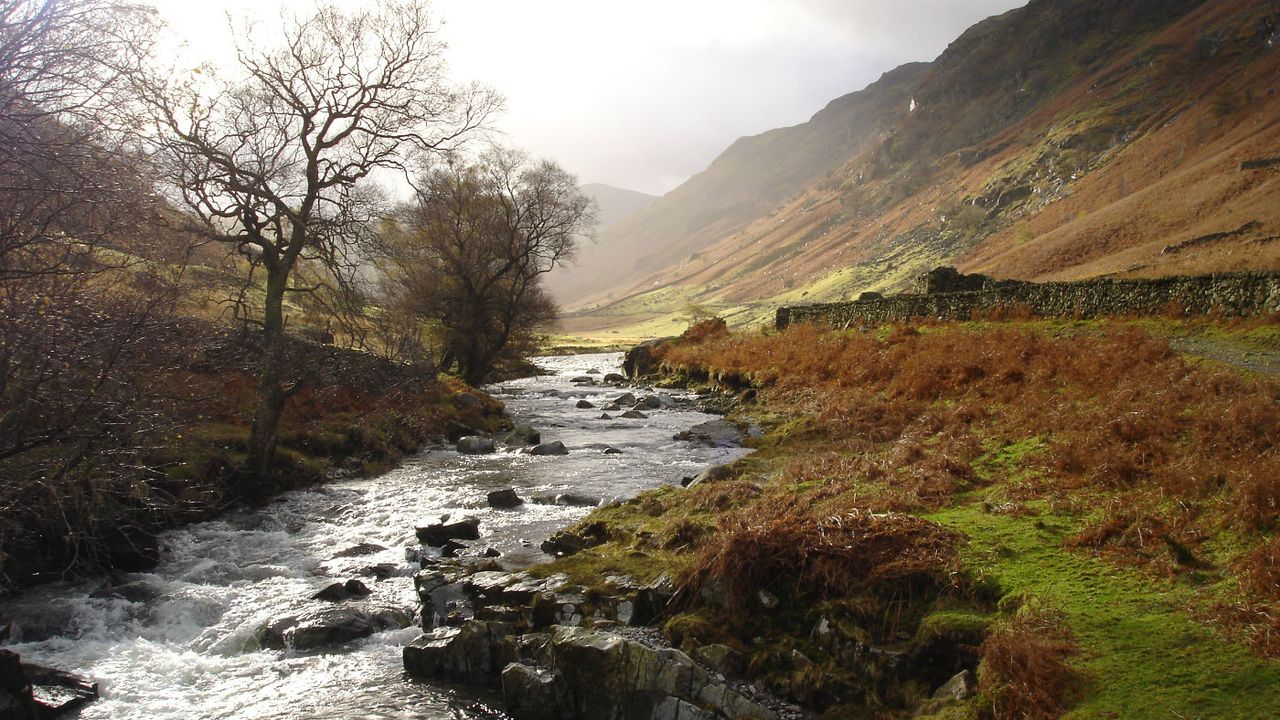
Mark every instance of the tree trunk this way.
pixel 271 391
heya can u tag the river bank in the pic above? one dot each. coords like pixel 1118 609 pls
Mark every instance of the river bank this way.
pixel 1001 520
pixel 229 623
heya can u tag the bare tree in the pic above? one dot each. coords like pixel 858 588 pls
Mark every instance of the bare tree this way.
pixel 277 162
pixel 473 246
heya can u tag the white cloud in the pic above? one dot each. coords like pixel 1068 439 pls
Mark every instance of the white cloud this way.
pixel 644 94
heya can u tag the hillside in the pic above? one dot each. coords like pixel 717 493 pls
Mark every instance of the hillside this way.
pixel 1062 140
pixel 613 205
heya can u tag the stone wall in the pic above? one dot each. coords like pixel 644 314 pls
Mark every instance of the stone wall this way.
pixel 1234 294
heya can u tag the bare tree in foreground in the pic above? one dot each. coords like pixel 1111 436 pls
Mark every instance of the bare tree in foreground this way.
pixel 472 248
pixel 277 163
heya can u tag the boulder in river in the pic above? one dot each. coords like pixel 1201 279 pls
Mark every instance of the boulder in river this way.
pixel 360 550
pixel 523 435
pixel 475 445
pixel 624 399
pixel 330 626
pixel 612 451
pixel 612 407
pixel 471 653
pixel 585 405
pixel 614 379
pixel 605 416
pixel 338 592
pixel 634 415
pixel 505 499
pixel 648 402
pixel 583 380
pixel 440 533
pixel 713 433
pixel 551 448
pixel 639 360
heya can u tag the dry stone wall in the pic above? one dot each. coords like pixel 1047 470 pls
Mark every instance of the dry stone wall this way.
pixel 1231 294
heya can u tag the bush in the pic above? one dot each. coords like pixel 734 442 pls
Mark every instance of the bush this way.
pixel 1024 673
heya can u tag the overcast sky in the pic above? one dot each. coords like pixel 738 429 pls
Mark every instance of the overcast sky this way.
pixel 642 95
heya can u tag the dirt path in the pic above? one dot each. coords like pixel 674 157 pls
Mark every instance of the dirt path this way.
pixel 1265 362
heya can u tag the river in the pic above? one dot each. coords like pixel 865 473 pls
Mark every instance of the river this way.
pixel 191 650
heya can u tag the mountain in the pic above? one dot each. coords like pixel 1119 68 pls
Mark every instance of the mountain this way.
pixel 613 205
pixel 1064 139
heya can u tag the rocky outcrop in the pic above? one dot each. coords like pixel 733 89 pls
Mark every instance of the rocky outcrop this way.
pixel 504 499
pixel 713 433
pixel 475 445
pixel 440 533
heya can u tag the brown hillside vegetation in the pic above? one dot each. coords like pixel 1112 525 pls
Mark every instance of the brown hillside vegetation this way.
pixel 1064 506
pixel 1107 140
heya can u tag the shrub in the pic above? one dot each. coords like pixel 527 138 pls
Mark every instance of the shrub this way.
pixel 1024 673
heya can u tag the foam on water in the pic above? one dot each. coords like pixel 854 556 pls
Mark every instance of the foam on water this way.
pixel 192 651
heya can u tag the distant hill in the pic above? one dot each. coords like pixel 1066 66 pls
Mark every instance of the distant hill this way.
pixel 1065 139
pixel 613 205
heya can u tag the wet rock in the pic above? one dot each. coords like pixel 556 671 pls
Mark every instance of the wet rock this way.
pixel 612 407
pixel 551 448
pixel 331 626
pixel 593 371
pixel 505 499
pixel 713 433
pixel 474 653
pixel 475 445
pixel 360 550
pixel 523 435
pixel 585 405
pixel 612 451
pixel 56 692
pixel 583 380
pixel 491 553
pixel 455 431
pixel 634 415
pixel 614 379
pixel 960 687
pixel 382 571
pixel 534 693
pixel 451 548
pixel 438 534
pixel 137 591
pixel 650 402
pixel 574 540
pixel 605 416
pixel 624 399
pixel 575 500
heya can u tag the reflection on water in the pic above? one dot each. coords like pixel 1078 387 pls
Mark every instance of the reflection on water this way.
pixel 185 642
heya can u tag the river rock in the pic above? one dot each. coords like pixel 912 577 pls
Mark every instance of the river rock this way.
pixel 720 658
pixel 612 451
pixel 360 550
pixel 605 416
pixel 574 540
pixel 612 407
pixel 534 693
pixel 624 399
pixel 473 653
pixel 438 534
pixel 713 433
pixel 16 699
pixel 583 380
pixel 136 591
pixel 343 591
pixel 505 499
pixel 56 691
pixel 551 448
pixel 634 415
pixel 585 405
pixel 475 445
pixel 523 435
pixel 639 361
pixel 648 402
pixel 331 626
pixel 614 379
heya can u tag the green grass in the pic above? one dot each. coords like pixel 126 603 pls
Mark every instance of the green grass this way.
pixel 1142 653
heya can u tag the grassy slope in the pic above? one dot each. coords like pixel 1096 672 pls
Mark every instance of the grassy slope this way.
pixel 1044 505
pixel 1123 155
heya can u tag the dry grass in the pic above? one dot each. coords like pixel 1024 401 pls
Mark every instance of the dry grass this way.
pixel 780 544
pixel 1024 673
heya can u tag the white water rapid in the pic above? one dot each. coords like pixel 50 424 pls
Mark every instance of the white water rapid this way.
pixel 191 651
